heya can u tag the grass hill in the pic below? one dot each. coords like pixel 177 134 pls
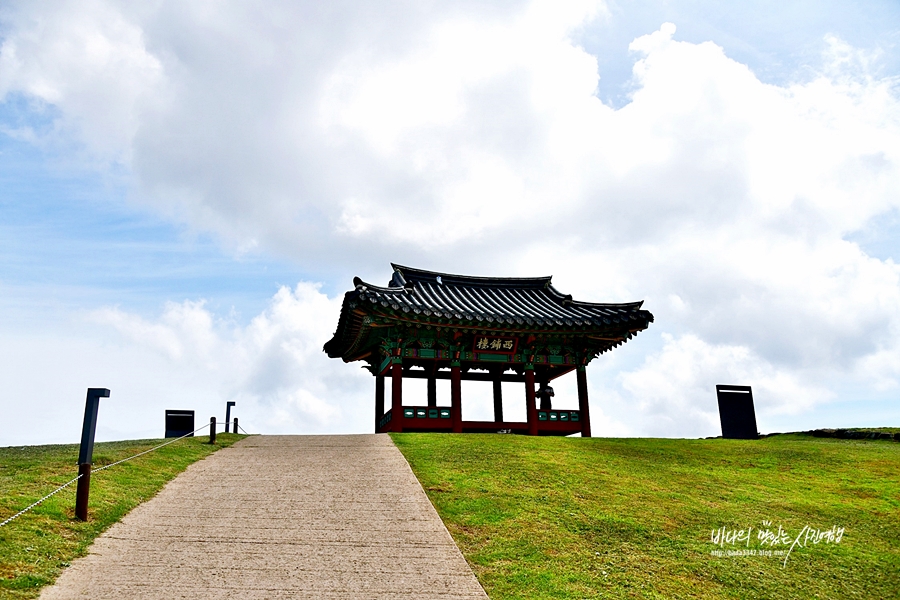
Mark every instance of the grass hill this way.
pixel 640 518
pixel 38 545
pixel 560 517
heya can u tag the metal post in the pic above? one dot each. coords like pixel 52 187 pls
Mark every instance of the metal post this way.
pixel 397 397
pixel 212 430
pixel 456 398
pixel 379 400
pixel 530 408
pixel 86 451
pixel 236 430
pixel 583 407
pixel 228 406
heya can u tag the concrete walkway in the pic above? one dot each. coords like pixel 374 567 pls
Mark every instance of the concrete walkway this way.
pixel 280 517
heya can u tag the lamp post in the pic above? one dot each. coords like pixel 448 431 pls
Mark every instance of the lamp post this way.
pixel 228 406
pixel 86 451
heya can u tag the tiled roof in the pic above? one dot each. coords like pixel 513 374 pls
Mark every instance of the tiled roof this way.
pixel 511 303
pixel 510 300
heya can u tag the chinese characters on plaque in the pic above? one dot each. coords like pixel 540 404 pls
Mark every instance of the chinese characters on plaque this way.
pixel 499 345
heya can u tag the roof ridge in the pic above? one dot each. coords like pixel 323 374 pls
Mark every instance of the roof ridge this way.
pixel 413 274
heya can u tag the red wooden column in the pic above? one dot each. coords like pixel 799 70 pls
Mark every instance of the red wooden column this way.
pixel 498 398
pixel 530 408
pixel 397 397
pixel 583 407
pixel 432 386
pixel 455 398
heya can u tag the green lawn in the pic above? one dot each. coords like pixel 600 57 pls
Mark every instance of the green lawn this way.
pixel 35 547
pixel 633 518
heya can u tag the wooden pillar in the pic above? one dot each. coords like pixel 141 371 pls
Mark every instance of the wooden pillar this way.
pixel 379 399
pixel 432 387
pixel 530 408
pixel 397 397
pixel 498 398
pixel 456 398
pixel 583 402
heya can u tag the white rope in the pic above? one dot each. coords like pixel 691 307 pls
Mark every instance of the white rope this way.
pixel 27 508
pixel 62 487
pixel 118 462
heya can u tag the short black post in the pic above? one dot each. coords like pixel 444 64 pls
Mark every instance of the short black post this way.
pixel 86 451
pixel 236 426
pixel 228 406
pixel 212 430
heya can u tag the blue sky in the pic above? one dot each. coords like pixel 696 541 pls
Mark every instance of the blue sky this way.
pixel 161 187
pixel 71 237
pixel 780 41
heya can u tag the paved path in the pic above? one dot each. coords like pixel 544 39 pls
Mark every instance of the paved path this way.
pixel 280 517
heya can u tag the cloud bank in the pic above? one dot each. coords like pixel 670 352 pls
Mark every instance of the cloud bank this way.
pixel 471 139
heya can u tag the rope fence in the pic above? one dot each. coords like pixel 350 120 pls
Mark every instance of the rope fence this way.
pixel 118 462
pixel 29 507
pixel 172 441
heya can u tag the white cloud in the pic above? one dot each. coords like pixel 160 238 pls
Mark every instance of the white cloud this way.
pixel 674 390
pixel 470 138
pixel 90 61
pixel 273 367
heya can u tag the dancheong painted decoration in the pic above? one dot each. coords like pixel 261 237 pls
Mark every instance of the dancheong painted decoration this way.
pixel 427 325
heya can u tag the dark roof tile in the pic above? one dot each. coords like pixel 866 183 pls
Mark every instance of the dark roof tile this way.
pixel 520 302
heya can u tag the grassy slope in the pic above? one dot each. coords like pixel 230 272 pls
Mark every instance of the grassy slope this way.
pixel 38 545
pixel 632 518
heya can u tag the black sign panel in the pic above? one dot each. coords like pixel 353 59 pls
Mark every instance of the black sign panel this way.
pixel 736 412
pixel 179 423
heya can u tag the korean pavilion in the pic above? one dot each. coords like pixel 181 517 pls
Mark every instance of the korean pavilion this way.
pixel 428 325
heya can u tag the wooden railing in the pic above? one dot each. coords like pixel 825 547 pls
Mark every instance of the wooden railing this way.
pixel 437 418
